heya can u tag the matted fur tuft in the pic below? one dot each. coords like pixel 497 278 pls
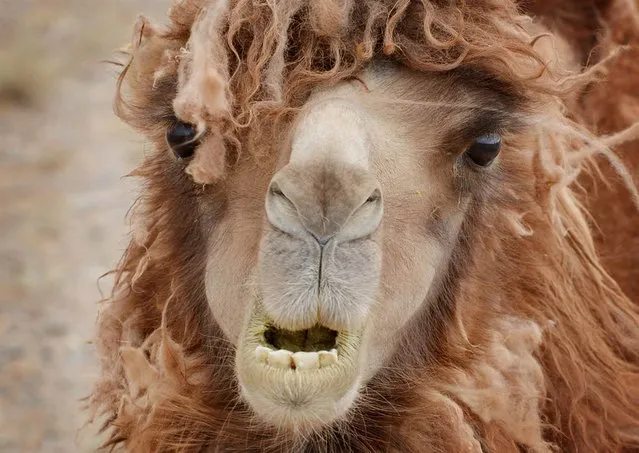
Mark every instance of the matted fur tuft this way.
pixel 533 345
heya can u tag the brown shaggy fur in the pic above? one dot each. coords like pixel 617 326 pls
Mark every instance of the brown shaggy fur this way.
pixel 533 345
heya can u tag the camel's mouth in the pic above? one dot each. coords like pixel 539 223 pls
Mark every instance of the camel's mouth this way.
pixel 297 378
pixel 303 350
pixel 317 338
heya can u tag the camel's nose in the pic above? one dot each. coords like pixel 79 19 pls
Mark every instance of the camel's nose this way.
pixel 324 201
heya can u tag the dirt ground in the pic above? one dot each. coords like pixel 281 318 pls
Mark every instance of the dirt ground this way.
pixel 62 207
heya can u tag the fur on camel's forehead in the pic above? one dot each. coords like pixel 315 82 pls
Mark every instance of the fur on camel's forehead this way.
pixel 227 65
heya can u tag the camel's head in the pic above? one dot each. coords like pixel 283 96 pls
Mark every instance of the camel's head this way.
pixel 322 259
pixel 322 196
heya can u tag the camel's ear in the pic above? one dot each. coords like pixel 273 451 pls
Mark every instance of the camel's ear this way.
pixel 143 30
pixel 147 84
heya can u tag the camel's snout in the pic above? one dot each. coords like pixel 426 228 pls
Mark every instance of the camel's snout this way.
pixel 325 201
pixel 320 257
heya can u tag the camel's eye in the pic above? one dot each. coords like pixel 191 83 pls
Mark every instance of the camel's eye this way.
pixel 182 138
pixel 484 149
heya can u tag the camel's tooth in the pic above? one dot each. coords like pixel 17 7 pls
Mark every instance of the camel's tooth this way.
pixel 327 358
pixel 306 361
pixel 280 358
pixel 261 353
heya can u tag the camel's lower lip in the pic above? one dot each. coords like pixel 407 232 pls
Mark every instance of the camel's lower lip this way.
pixel 313 383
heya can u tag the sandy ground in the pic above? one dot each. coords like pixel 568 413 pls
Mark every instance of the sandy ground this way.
pixel 62 208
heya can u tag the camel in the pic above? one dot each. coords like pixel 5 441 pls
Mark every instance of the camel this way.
pixel 379 226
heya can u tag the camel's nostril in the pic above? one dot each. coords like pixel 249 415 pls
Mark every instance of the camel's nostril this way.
pixel 323 203
pixel 279 201
pixel 276 191
pixel 374 197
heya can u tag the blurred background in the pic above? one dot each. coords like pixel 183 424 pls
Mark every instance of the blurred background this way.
pixel 62 207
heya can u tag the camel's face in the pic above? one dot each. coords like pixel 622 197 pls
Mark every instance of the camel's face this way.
pixel 318 264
